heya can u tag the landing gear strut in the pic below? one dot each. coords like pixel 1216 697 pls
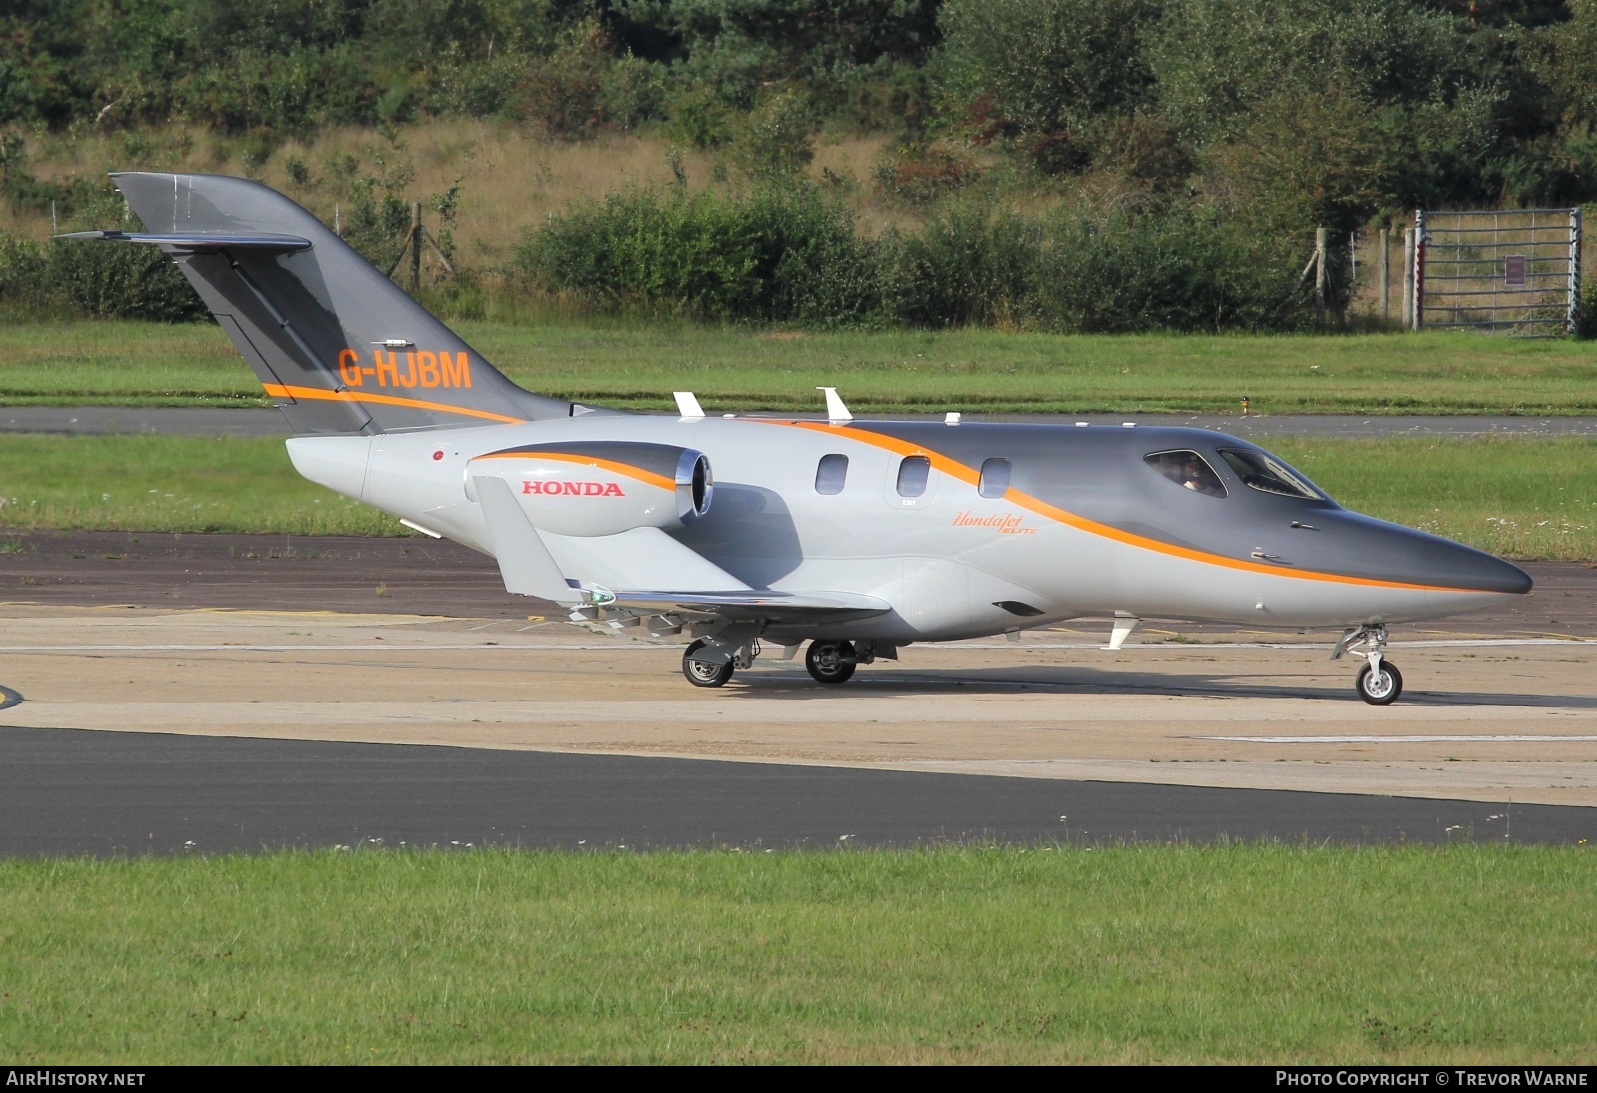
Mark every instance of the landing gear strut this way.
pixel 830 661
pixel 1379 682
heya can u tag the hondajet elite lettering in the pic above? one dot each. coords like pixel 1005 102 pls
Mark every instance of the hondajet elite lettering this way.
pixel 858 538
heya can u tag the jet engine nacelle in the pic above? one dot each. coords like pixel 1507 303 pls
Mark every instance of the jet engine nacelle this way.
pixel 601 487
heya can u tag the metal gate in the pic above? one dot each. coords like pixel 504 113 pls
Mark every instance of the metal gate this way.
pixel 1513 270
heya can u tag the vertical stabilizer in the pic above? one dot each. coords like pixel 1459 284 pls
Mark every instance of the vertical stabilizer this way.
pixel 339 346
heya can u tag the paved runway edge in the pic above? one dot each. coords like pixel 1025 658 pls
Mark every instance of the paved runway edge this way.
pixel 68 792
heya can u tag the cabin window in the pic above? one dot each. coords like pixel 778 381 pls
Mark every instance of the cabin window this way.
pixel 1267 474
pixel 831 474
pixel 1188 470
pixel 913 475
pixel 994 478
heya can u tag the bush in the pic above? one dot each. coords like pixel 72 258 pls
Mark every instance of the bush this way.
pixel 783 253
pixel 968 266
pixel 23 292
pixel 121 281
pixel 791 254
pixel 1167 270
pixel 918 174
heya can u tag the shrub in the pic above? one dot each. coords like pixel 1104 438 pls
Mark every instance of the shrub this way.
pixel 121 281
pixel 968 266
pixel 920 174
pixel 23 291
pixel 1165 270
pixel 781 253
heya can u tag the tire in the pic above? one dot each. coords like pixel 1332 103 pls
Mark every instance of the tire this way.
pixel 704 675
pixel 830 661
pixel 1382 690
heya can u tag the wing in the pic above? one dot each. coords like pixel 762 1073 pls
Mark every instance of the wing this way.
pixel 766 605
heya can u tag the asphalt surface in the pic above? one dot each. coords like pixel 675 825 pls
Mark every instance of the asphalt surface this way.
pixel 205 421
pixel 77 792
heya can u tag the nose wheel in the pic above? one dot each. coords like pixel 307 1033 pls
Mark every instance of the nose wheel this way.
pixel 830 661
pixel 1379 682
pixel 1379 686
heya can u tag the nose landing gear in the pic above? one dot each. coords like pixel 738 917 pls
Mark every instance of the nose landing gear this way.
pixel 1379 682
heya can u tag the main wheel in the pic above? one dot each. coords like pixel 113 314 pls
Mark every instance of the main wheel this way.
pixel 830 661
pixel 1380 688
pixel 701 674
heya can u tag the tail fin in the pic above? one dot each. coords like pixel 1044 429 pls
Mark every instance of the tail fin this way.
pixel 339 346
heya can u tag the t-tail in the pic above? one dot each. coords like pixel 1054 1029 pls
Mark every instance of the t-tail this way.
pixel 339 346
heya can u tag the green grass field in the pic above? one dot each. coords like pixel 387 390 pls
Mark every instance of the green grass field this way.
pixel 1525 498
pixel 1252 954
pixel 732 369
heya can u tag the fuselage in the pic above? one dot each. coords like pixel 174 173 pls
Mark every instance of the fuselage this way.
pixel 971 529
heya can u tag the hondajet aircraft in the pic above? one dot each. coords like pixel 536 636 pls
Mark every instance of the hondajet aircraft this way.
pixel 857 537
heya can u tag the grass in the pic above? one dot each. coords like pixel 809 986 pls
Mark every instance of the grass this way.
pixel 1247 954
pixel 1524 498
pixel 638 365
pixel 1520 498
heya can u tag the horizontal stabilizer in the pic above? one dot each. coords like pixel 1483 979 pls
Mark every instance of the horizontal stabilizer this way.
pixel 200 241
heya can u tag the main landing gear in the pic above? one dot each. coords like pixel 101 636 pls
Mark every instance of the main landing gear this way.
pixel 1379 682
pixel 713 673
pixel 830 661
pixel 708 664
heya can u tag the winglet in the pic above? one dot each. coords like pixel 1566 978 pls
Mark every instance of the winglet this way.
pixel 688 405
pixel 836 412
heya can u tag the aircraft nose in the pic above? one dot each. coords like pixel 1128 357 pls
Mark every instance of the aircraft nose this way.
pixel 1454 565
pixel 1496 575
pixel 1392 552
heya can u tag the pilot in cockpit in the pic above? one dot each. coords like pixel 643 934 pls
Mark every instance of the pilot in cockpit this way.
pixel 1197 475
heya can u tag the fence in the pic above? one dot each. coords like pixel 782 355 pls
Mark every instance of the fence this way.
pixel 1511 270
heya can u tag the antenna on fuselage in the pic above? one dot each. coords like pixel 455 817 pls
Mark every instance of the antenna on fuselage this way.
pixel 688 404
pixel 836 412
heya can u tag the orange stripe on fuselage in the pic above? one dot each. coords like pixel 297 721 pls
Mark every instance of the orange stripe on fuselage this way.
pixel 279 390
pixel 955 469
pixel 648 477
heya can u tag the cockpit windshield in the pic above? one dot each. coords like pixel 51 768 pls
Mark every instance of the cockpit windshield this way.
pixel 1189 470
pixel 1267 474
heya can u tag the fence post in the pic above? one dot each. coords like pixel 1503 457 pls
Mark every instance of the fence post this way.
pixel 1384 267
pixel 415 247
pixel 1575 317
pixel 1320 273
pixel 1419 269
pixel 1407 278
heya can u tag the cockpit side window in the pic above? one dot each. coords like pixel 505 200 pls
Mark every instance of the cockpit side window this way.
pixel 1267 474
pixel 1189 470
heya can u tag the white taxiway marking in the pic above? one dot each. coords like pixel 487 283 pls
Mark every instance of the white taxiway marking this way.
pixel 1454 739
